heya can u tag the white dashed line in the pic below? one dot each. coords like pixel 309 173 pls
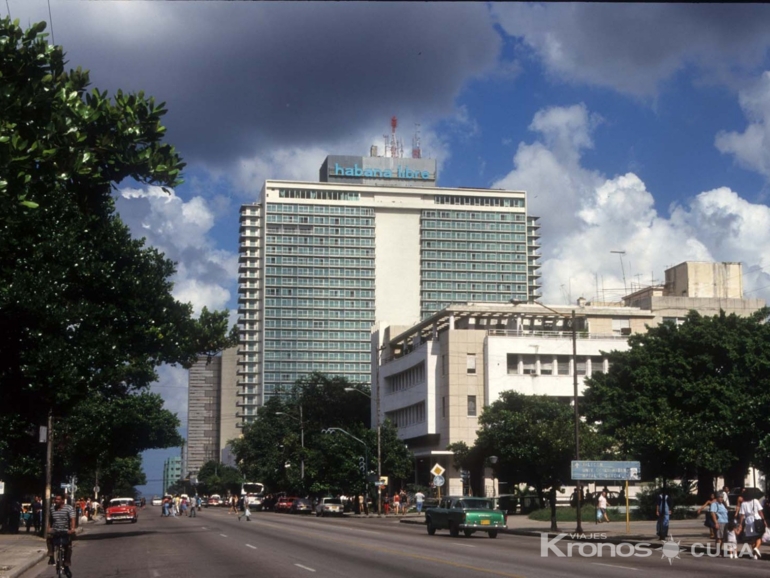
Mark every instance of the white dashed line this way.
pixel 250 546
pixel 204 528
pixel 466 545
pixel 223 535
pixel 616 566
pixel 155 573
pixel 304 567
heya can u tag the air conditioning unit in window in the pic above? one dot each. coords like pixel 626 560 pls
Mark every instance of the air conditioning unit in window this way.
pixel 625 331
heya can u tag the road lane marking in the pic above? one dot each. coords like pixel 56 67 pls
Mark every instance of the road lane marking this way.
pixel 155 573
pixel 204 528
pixel 467 545
pixel 304 567
pixel 383 550
pixel 223 535
pixel 615 566
pixel 250 546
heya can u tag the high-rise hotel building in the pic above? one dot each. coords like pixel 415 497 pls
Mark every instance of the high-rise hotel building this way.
pixel 375 240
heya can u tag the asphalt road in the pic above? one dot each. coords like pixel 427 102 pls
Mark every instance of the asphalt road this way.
pixel 217 545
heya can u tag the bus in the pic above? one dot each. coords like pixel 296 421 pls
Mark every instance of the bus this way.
pixel 253 493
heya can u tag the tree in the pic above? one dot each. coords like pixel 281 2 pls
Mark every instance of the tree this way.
pixel 533 437
pixel 87 312
pixel 689 400
pixel 217 478
pixel 271 452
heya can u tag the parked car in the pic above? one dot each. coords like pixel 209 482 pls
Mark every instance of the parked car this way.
pixel 301 506
pixel 330 507
pixel 283 504
pixel 121 509
pixel 466 514
pixel 214 500
pixel 156 501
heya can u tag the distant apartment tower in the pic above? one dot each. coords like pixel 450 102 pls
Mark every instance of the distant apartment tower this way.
pixel 211 407
pixel 373 240
pixel 172 472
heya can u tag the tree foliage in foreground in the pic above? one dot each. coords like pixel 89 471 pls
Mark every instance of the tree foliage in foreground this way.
pixel 87 312
pixel 691 400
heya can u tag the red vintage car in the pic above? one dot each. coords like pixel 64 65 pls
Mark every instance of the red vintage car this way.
pixel 284 505
pixel 121 509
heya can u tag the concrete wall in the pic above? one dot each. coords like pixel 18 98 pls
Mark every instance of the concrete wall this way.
pixel 397 266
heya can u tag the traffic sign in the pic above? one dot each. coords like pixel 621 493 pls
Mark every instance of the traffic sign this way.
pixel 437 470
pixel 96 489
pixel 378 483
pixel 438 481
pixel 65 486
pixel 605 471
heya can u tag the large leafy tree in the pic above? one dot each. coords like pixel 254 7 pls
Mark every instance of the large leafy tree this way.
pixel 689 400
pixel 533 437
pixel 87 312
pixel 217 478
pixel 270 450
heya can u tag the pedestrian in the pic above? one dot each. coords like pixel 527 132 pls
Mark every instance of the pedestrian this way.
pixel 718 514
pixel 709 522
pixel 419 498
pixel 192 513
pixel 387 503
pixel 663 513
pixel 198 502
pixel 183 507
pixel 731 542
pixel 14 516
pixel 726 492
pixel 752 519
pixel 26 517
pixel 37 514
pixel 403 501
pixel 396 503
pixel 243 508
pixel 601 508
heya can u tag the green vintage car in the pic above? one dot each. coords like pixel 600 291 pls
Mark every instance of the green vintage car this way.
pixel 466 514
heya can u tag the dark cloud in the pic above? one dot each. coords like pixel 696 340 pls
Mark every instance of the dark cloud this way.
pixel 245 77
pixel 634 47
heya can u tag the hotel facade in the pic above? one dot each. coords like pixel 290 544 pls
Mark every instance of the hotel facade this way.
pixel 373 241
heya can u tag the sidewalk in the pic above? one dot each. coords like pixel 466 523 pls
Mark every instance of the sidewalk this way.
pixel 19 552
pixel 686 533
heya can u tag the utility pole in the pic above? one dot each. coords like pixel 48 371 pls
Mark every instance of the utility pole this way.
pixel 579 529
pixel 48 473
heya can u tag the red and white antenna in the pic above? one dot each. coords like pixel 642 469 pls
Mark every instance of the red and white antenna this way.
pixel 416 152
pixel 393 141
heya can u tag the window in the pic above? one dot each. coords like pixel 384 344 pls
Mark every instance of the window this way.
pixel 513 364
pixel 471 406
pixel 530 364
pixel 470 363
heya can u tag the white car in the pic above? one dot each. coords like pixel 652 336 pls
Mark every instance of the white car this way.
pixel 330 507
pixel 157 501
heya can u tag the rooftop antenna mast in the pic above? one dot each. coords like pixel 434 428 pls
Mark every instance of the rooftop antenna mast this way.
pixel 416 152
pixel 394 145
pixel 623 269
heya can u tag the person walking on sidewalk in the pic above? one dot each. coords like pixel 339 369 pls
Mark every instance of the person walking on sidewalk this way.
pixel 752 519
pixel 663 513
pixel 718 514
pixel 37 514
pixel 601 505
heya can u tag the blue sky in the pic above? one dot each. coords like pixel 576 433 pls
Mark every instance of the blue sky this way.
pixel 642 128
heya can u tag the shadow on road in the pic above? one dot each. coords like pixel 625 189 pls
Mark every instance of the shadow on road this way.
pixel 112 535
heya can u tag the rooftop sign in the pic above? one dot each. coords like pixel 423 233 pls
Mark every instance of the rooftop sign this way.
pixel 379 171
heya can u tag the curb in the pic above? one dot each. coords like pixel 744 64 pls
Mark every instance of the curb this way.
pixel 704 548
pixel 19 570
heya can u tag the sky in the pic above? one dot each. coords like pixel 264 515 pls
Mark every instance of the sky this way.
pixel 641 132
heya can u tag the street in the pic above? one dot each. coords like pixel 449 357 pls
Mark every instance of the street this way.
pixel 217 545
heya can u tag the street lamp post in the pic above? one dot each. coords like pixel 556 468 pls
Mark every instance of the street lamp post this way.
pixel 573 322
pixel 301 439
pixel 379 446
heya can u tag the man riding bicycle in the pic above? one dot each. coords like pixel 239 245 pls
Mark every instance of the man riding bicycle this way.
pixel 61 520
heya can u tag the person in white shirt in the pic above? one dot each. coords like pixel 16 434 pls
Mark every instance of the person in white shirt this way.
pixel 419 498
pixel 601 504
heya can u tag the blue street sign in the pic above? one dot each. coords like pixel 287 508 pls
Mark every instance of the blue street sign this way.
pixel 587 470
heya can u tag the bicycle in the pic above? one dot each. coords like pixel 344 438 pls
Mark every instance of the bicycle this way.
pixel 61 539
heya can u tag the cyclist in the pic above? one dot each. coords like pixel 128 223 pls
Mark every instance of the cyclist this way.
pixel 62 519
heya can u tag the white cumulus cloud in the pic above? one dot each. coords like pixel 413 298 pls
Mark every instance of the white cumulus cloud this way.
pixel 590 217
